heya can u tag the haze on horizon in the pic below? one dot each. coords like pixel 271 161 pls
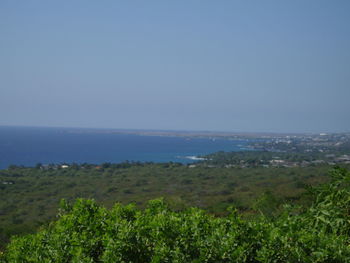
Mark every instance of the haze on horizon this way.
pixel 255 66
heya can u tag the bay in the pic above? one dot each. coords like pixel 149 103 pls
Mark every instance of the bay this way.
pixel 29 146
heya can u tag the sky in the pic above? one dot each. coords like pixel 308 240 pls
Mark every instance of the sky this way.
pixel 254 66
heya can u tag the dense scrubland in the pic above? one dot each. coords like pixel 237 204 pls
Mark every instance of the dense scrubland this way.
pixel 88 232
pixel 30 196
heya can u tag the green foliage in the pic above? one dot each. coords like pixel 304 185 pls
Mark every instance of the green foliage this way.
pixel 87 232
pixel 30 196
pixel 267 204
pixel 331 211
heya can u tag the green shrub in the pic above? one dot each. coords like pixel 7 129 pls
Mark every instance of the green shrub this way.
pixel 87 232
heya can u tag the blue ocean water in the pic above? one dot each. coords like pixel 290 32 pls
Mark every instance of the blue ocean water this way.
pixel 29 146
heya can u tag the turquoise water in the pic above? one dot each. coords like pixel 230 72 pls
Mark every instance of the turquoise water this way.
pixel 29 146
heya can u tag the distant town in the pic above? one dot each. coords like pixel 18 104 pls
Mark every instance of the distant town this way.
pixel 287 151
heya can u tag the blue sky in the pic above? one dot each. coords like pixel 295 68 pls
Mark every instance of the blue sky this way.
pixel 270 66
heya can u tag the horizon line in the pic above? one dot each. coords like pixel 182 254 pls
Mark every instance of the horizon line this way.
pixel 171 130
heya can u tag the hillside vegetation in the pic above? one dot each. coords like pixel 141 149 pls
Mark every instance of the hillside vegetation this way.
pixel 88 232
pixel 30 196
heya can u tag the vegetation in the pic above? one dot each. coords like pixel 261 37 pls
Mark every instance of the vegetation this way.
pixel 268 158
pixel 87 232
pixel 30 196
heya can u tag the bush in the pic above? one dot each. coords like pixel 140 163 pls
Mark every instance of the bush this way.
pixel 86 232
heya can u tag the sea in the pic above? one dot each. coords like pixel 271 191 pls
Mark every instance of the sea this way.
pixel 27 146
